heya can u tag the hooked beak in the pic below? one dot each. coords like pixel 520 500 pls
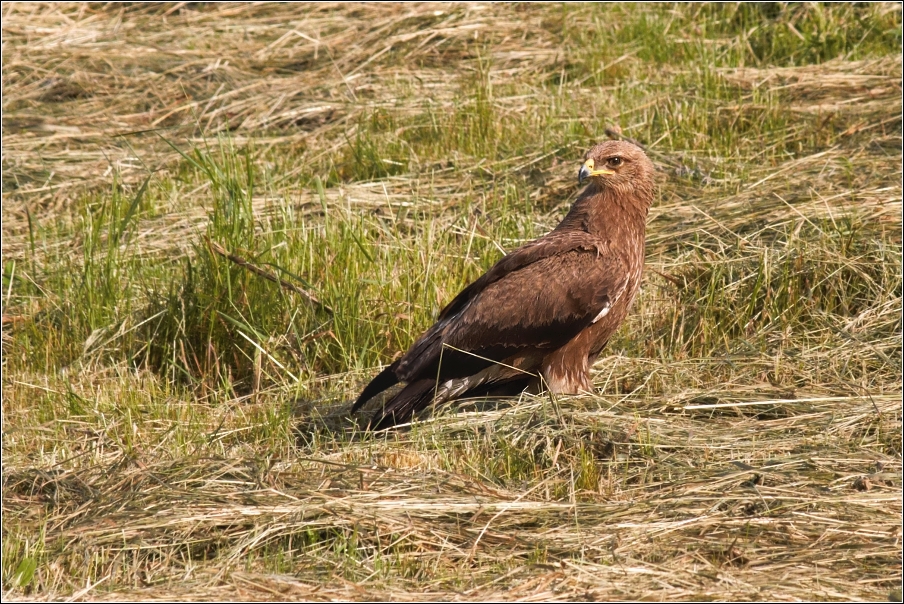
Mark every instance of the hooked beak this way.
pixel 587 171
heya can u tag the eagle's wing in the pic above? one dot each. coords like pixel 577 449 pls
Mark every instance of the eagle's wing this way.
pixel 539 297
pixel 542 305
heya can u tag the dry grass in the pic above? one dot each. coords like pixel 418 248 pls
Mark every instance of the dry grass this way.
pixel 745 442
pixel 671 501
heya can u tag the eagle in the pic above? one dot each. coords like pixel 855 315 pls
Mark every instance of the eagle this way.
pixel 543 313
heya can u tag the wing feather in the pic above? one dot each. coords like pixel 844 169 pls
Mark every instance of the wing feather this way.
pixel 542 305
pixel 539 296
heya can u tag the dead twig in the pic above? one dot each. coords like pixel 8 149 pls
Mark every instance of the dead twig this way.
pixel 219 249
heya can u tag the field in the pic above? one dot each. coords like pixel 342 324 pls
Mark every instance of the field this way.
pixel 219 221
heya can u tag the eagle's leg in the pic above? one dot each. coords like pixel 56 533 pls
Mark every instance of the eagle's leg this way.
pixel 567 370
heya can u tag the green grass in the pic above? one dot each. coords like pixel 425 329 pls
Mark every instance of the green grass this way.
pixel 176 425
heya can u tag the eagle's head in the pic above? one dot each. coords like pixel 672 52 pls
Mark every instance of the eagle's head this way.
pixel 618 165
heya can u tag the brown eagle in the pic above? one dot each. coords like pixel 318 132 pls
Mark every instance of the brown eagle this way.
pixel 542 314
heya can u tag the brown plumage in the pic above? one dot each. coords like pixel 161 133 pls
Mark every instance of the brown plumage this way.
pixel 542 314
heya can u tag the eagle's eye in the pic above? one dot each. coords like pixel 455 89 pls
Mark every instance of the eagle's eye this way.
pixel 614 161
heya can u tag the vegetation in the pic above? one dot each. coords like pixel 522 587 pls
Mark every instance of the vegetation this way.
pixel 219 221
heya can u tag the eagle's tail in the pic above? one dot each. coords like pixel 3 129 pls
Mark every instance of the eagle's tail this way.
pixel 385 379
pixel 412 398
pixel 420 394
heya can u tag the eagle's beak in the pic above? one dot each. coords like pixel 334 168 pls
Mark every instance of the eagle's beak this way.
pixel 587 171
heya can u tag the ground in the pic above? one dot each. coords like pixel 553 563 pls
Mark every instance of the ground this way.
pixel 219 221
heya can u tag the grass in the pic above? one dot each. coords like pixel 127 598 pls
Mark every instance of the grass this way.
pixel 175 424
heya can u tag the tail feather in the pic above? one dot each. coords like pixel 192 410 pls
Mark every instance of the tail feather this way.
pixel 385 379
pixel 512 387
pixel 420 394
pixel 401 408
